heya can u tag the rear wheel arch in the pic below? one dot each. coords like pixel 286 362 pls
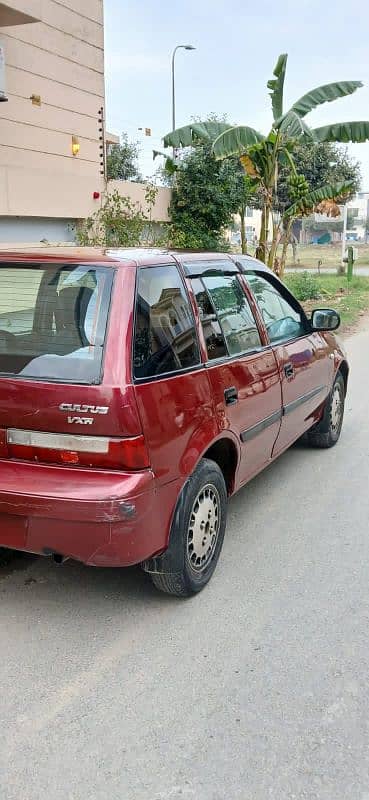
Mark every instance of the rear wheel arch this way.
pixel 224 452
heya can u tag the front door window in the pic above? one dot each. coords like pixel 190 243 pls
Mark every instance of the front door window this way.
pixel 282 320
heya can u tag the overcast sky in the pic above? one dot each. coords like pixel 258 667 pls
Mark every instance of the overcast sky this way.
pixel 237 45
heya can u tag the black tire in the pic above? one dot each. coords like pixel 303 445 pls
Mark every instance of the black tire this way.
pixel 196 536
pixel 327 432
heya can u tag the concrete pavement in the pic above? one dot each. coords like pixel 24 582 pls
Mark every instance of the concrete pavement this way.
pixel 256 689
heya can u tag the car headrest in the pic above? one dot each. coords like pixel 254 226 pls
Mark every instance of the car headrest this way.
pixel 71 308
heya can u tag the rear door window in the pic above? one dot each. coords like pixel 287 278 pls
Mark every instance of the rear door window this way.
pixel 53 321
pixel 215 342
pixel 165 338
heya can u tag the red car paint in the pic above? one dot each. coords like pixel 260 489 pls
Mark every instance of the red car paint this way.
pixel 120 517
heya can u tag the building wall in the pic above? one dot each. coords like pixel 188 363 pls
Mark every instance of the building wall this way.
pixel 136 193
pixel 27 230
pixel 252 225
pixel 61 59
pixel 36 228
pixel 359 205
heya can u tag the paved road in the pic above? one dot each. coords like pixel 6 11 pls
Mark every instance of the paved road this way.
pixel 256 689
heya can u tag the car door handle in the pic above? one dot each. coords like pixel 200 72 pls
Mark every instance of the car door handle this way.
pixel 289 370
pixel 231 396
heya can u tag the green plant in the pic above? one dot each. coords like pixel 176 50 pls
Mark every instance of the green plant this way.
pixel 264 156
pixel 150 236
pixel 321 164
pixel 122 161
pixel 206 194
pixel 304 287
pixel 117 223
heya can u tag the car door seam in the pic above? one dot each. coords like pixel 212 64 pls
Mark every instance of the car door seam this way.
pixel 249 433
pixel 304 398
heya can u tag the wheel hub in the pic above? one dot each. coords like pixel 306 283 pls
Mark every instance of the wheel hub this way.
pixel 203 528
pixel 336 409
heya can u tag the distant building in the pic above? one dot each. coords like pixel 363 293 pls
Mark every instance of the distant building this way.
pixel 252 226
pixel 323 229
pixel 357 216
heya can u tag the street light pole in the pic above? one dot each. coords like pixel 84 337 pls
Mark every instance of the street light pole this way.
pixel 178 47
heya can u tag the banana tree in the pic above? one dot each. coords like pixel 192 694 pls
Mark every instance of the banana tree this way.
pixel 262 156
pixel 324 200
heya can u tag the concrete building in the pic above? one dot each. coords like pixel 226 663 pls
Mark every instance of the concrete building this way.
pixel 252 227
pixel 322 229
pixel 357 217
pixel 52 87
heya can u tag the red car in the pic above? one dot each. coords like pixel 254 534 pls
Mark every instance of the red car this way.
pixel 141 389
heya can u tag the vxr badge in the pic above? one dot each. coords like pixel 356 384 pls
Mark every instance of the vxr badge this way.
pixel 82 408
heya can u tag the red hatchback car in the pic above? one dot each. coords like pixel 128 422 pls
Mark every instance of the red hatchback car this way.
pixel 139 390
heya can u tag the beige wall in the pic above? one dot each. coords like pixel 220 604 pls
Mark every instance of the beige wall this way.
pixel 60 58
pixel 18 12
pixel 136 192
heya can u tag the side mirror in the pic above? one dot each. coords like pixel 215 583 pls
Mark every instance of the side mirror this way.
pixel 325 319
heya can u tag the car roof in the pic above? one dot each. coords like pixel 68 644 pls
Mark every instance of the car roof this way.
pixel 130 256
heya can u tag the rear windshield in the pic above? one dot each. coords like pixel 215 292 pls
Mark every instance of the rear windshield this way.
pixel 53 321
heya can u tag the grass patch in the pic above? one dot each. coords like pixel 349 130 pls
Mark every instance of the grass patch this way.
pixel 309 255
pixel 350 300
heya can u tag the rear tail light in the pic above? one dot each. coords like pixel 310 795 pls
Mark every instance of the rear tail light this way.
pixel 82 451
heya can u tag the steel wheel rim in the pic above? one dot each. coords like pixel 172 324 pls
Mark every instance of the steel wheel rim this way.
pixel 336 409
pixel 203 528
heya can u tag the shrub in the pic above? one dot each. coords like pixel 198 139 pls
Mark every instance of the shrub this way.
pixel 304 287
pixel 120 222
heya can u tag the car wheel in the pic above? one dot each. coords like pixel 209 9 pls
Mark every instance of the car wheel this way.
pixel 327 432
pixel 197 534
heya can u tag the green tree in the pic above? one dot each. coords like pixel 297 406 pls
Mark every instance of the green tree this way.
pixel 206 195
pixel 320 163
pixel 263 156
pixel 122 160
pixel 245 198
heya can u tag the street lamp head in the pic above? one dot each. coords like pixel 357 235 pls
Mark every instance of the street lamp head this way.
pixel 189 47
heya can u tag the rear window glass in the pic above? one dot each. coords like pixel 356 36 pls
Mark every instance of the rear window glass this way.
pixel 165 338
pixel 53 321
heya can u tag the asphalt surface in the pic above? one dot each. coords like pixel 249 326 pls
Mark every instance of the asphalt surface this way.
pixel 256 689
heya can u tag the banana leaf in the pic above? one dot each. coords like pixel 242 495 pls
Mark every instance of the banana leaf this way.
pixel 334 191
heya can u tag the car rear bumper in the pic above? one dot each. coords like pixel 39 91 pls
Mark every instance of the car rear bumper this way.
pixel 102 518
